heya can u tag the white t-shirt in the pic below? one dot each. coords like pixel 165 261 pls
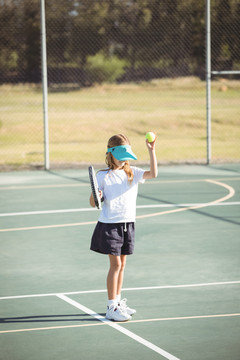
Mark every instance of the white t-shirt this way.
pixel 119 195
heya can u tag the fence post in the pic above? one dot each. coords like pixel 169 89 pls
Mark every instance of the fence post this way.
pixel 44 85
pixel 208 78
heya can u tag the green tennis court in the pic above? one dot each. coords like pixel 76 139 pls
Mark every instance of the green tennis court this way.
pixel 183 279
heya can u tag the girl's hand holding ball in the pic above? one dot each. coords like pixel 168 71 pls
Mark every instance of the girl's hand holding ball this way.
pixel 150 140
pixel 150 136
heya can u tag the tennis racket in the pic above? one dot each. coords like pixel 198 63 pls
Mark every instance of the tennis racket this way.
pixel 94 186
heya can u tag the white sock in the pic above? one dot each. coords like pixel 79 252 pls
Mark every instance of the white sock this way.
pixel 118 298
pixel 112 302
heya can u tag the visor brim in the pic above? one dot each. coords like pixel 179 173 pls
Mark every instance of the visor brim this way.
pixel 122 153
pixel 123 157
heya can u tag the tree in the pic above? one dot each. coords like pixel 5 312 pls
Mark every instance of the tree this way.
pixel 168 35
pixel 127 27
pixel 32 48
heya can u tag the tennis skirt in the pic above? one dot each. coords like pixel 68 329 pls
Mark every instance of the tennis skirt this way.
pixel 115 239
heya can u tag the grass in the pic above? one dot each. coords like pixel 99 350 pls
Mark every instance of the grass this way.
pixel 81 121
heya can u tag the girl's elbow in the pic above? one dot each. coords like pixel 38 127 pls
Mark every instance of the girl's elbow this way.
pixel 155 174
pixel 152 176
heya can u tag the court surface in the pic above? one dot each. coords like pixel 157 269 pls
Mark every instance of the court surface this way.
pixel 183 279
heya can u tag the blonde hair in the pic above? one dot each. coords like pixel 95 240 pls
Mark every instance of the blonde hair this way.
pixel 118 140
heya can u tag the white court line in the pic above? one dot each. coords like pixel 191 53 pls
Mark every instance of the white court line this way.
pixel 233 203
pixel 25 187
pixel 222 283
pixel 119 328
pixel 132 321
pixel 45 212
pixel 224 198
pixel 62 211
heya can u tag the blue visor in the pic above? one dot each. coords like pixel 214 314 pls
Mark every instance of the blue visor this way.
pixel 122 152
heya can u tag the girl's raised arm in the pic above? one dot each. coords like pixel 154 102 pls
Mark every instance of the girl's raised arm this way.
pixel 153 172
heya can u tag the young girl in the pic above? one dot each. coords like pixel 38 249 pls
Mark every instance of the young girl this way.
pixel 114 232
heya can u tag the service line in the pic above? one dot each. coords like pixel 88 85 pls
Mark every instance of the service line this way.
pixel 150 206
pixel 142 288
pixel 198 206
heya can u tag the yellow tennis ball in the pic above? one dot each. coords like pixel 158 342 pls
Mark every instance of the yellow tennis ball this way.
pixel 150 136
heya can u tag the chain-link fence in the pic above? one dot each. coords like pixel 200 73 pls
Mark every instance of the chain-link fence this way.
pixel 117 66
pixel 225 99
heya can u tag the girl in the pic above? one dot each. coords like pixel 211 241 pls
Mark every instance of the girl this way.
pixel 114 232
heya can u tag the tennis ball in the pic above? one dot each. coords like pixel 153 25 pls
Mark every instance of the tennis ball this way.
pixel 150 136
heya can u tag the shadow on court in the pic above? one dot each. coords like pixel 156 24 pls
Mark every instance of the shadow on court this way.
pixel 47 318
pixel 61 175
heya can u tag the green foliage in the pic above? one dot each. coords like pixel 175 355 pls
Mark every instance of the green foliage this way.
pixel 8 59
pixel 144 33
pixel 104 69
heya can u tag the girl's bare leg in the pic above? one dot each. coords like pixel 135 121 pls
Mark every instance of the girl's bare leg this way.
pixel 113 274
pixel 121 274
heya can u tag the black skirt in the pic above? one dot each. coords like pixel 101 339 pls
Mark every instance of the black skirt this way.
pixel 115 239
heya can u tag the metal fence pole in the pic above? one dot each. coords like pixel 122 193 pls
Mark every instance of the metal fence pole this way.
pixel 208 78
pixel 44 86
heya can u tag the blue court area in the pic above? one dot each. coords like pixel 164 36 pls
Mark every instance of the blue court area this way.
pixel 183 279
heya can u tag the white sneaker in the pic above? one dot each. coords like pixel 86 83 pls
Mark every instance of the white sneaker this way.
pixel 117 314
pixel 125 308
